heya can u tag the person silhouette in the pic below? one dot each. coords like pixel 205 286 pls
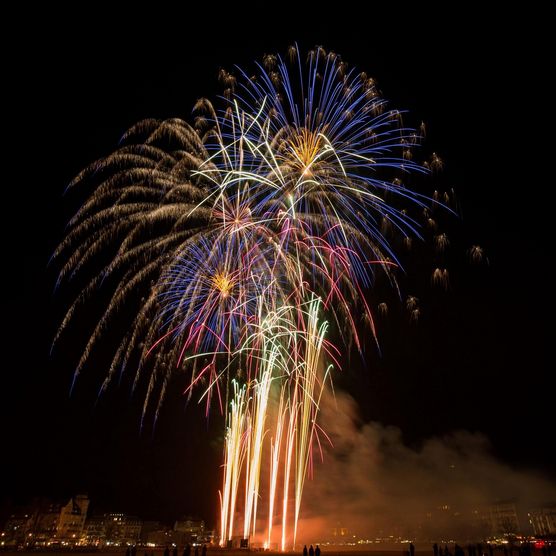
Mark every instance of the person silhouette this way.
pixel 317 550
pixel 311 551
pixel 305 551
pixel 411 549
pixel 174 552
pixel 197 550
pixel 435 549
pixel 187 550
pixel 167 551
pixel 204 550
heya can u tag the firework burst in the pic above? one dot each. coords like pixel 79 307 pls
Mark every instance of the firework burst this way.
pixel 245 235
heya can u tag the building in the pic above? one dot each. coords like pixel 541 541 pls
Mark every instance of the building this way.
pixel 113 529
pixel 192 529
pixel 501 519
pixel 95 531
pixel 46 524
pixel 166 537
pixel 148 528
pixel 189 525
pixel 17 529
pixel 543 521
pixel 71 520
pixel 122 529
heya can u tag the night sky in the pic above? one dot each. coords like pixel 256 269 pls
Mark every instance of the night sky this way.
pixel 479 358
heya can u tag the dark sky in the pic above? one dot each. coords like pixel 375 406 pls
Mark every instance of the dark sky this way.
pixel 479 360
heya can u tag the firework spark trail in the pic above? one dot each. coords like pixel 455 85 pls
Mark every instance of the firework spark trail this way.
pixel 255 444
pixel 291 357
pixel 275 446
pixel 242 232
pixel 233 459
pixel 311 389
pixel 290 438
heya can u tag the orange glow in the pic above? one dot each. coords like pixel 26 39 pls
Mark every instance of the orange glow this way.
pixel 223 283
pixel 306 146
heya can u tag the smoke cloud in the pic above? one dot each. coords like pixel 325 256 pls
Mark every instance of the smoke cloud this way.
pixel 371 484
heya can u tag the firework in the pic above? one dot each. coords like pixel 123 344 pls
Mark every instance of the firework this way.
pixel 476 254
pixel 245 235
pixel 440 277
pixel 441 242
pixel 287 348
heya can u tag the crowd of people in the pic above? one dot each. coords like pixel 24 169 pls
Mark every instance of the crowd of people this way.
pixel 484 550
pixel 472 550
pixel 312 551
pixel 132 551
pixel 187 550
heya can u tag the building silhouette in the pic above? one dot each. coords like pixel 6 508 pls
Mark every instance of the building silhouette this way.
pixel 47 524
pixel 543 521
pixel 113 529
pixel 191 529
pixel 501 519
pixel 71 521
